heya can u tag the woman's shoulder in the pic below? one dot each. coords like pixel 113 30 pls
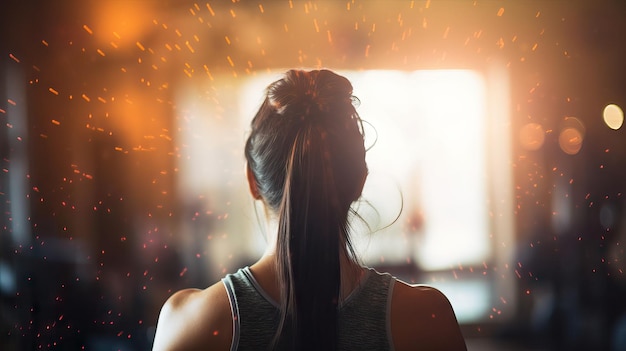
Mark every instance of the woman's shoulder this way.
pixel 410 293
pixel 422 315
pixel 195 319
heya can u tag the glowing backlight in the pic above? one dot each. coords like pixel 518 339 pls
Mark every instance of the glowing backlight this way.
pixel 438 159
pixel 431 128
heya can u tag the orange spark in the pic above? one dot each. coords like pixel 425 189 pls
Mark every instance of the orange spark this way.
pixel 210 9
pixel 87 29
pixel 53 91
pixel 208 72
pixel 500 43
pixel 189 46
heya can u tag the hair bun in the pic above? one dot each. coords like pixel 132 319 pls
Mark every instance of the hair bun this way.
pixel 309 92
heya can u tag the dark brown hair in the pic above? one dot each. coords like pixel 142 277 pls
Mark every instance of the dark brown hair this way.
pixel 307 155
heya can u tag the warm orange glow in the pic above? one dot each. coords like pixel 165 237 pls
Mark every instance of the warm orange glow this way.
pixel 120 21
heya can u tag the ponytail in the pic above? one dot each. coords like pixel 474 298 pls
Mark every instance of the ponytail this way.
pixel 309 229
pixel 306 152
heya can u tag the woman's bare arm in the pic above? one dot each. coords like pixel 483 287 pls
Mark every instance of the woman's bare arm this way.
pixel 422 317
pixel 193 319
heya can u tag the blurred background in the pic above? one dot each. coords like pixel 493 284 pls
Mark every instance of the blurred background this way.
pixel 496 163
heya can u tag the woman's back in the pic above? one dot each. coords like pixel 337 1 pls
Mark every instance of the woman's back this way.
pixel 362 315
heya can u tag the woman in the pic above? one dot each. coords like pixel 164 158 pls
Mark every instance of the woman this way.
pixel 306 163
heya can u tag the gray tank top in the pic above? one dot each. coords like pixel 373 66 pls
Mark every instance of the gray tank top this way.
pixel 364 316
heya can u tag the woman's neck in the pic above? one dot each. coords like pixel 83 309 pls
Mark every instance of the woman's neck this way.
pixel 265 268
pixel 264 271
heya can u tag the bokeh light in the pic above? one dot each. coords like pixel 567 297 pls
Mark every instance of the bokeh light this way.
pixel 613 116
pixel 570 141
pixel 571 135
pixel 532 136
